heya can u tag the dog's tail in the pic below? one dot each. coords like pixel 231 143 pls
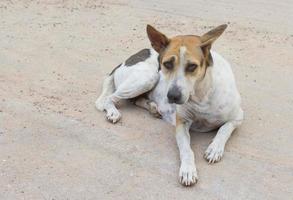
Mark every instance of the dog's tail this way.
pixel 108 89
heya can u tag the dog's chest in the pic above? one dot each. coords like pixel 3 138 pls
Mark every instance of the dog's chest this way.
pixel 205 122
pixel 206 116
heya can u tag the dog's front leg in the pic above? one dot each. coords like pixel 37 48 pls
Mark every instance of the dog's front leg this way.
pixel 215 151
pixel 187 172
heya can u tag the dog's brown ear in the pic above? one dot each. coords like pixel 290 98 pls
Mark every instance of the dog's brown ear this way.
pixel 209 37
pixel 207 40
pixel 158 40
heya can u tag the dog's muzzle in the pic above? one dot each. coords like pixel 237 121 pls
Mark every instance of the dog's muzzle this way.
pixel 174 95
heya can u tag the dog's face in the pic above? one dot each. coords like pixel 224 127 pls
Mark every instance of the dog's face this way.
pixel 184 60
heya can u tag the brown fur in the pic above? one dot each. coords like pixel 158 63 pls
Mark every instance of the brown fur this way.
pixel 138 57
pixel 197 50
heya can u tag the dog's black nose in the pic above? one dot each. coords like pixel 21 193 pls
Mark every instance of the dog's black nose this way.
pixel 174 95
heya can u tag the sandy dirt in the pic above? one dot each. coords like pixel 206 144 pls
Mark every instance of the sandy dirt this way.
pixel 54 144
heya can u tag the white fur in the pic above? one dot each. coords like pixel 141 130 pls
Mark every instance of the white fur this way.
pixel 108 89
pixel 187 172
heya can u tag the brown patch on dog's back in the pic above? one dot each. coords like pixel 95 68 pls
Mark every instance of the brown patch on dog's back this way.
pixel 138 57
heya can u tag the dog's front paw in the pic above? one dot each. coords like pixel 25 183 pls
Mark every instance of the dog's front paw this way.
pixel 214 152
pixel 113 115
pixel 188 174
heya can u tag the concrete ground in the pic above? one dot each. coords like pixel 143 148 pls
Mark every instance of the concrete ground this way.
pixel 54 144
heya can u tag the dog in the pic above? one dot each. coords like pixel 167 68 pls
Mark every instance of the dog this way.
pixel 187 84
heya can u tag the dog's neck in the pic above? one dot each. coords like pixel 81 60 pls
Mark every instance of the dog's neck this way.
pixel 204 88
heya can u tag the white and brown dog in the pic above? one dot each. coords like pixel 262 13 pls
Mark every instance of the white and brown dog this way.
pixel 185 83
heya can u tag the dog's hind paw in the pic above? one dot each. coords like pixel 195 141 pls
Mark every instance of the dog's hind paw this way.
pixel 188 174
pixel 214 152
pixel 153 109
pixel 113 115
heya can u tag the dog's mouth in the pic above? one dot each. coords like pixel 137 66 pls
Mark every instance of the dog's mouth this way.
pixel 179 102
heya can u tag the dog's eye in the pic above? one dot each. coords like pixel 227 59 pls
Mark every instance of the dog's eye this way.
pixel 191 67
pixel 169 64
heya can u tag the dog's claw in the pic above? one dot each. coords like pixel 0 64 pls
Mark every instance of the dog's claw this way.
pixel 113 116
pixel 214 153
pixel 154 110
pixel 188 174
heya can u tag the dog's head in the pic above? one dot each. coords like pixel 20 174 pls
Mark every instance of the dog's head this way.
pixel 184 60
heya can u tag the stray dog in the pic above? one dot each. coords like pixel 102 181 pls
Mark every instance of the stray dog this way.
pixel 181 80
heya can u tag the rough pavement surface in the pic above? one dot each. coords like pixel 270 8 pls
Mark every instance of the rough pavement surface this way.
pixel 54 144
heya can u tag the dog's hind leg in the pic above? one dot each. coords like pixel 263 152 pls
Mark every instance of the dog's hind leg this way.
pixel 112 113
pixel 149 105
pixel 108 89
pixel 132 87
pixel 215 151
pixel 105 102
